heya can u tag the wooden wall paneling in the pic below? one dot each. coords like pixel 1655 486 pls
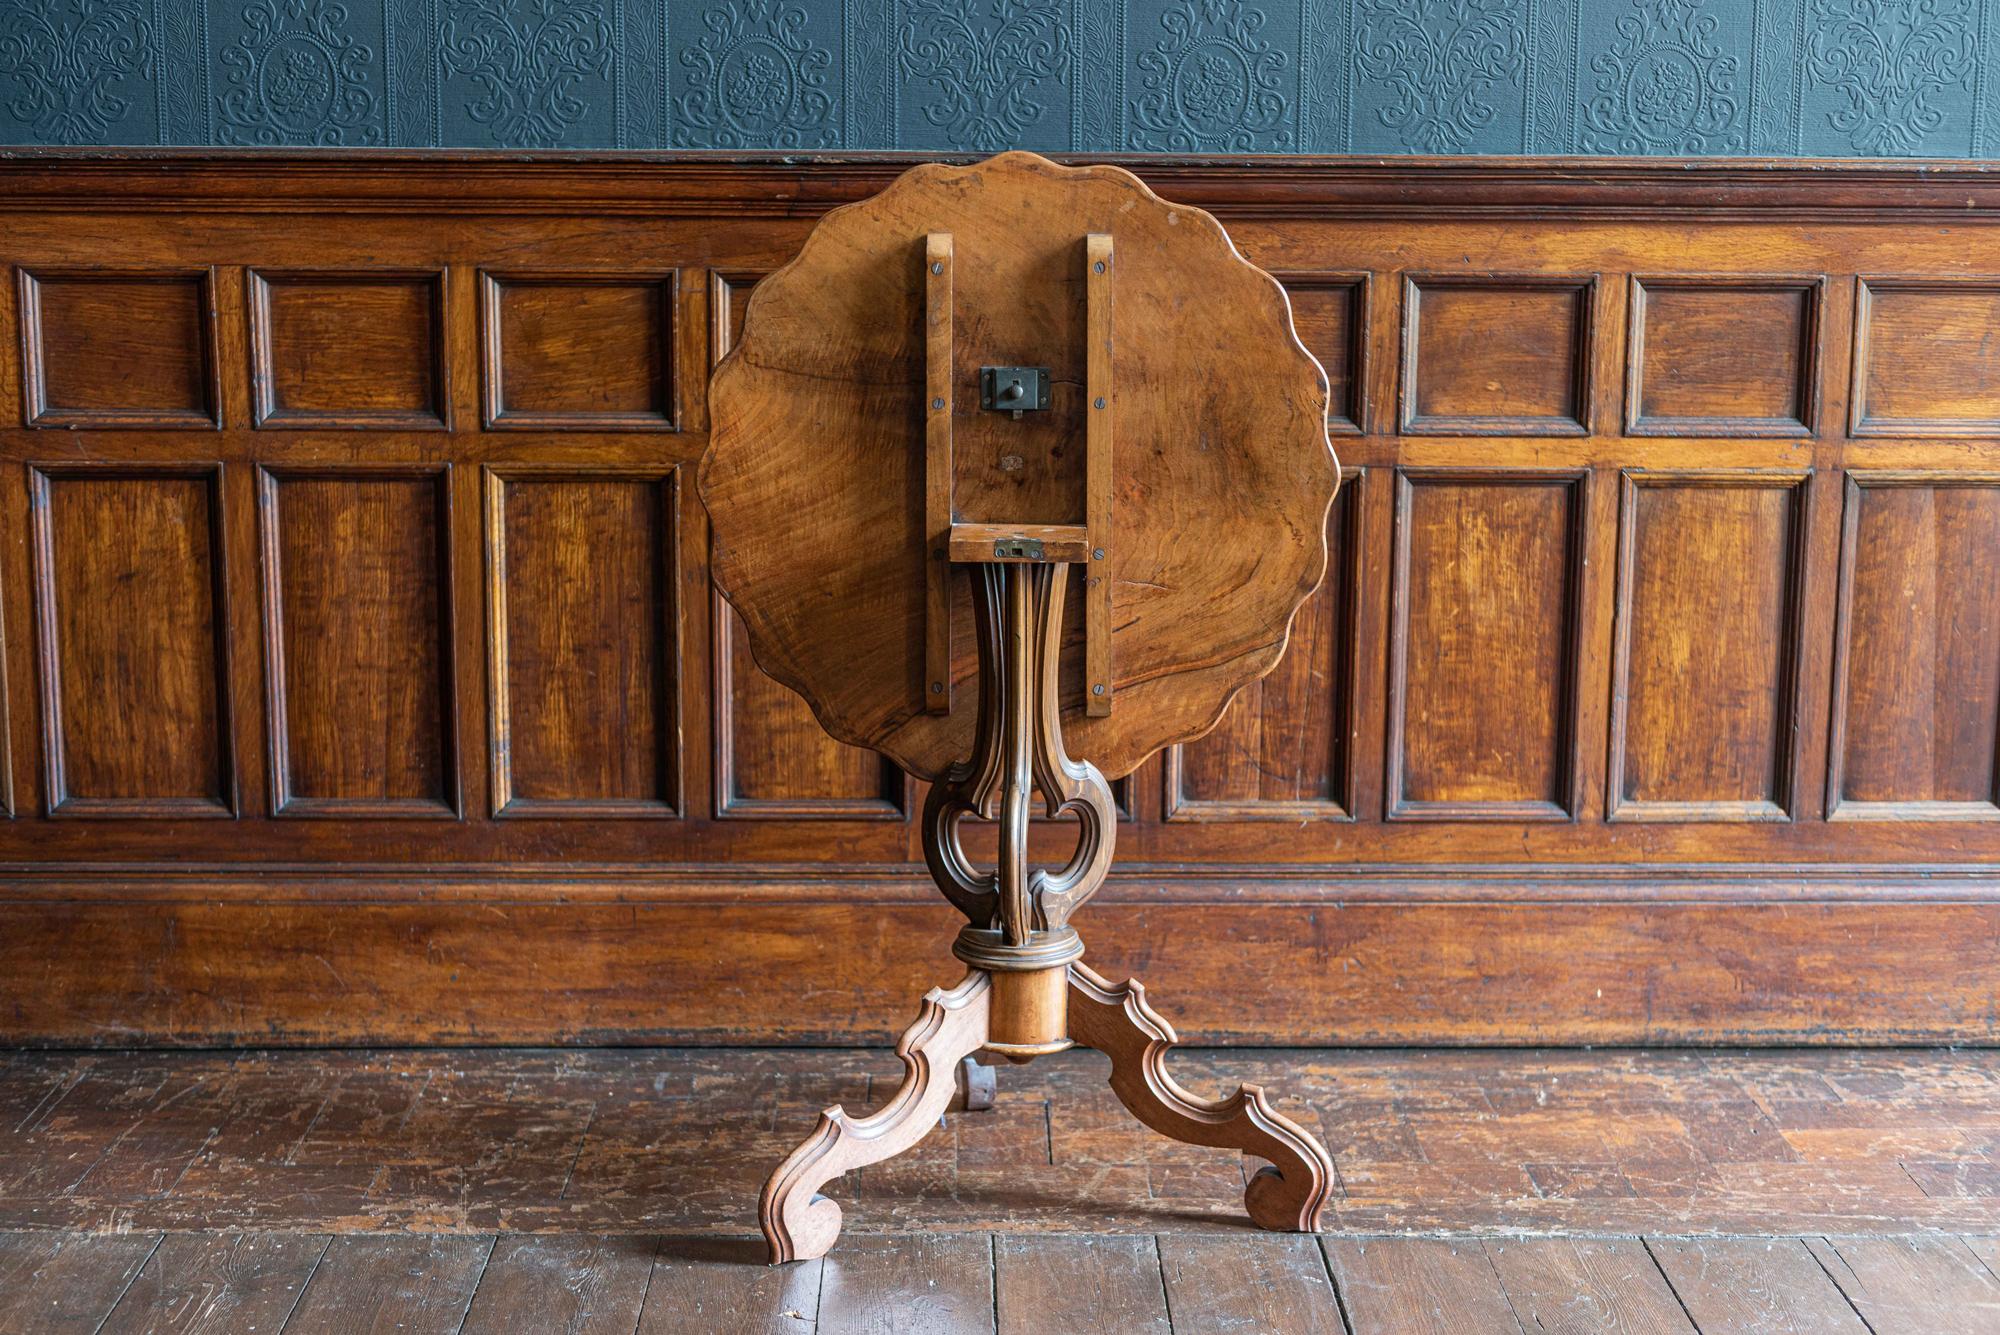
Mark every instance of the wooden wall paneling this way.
pixel 133 643
pixel 584 667
pixel 1284 748
pixel 124 919
pixel 18 792
pixel 771 759
pixel 9 741
pixel 1723 355
pixel 1654 965
pixel 390 370
pixel 451 250
pixel 1819 567
pixel 580 350
pixel 1489 354
pixel 1486 605
pixel 107 347
pixel 1330 315
pixel 1915 730
pixel 1595 635
pixel 361 704
pixel 1925 359
pixel 1705 715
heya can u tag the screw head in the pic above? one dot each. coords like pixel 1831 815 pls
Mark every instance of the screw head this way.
pixel 1097 554
pixel 937 404
pixel 938 267
pixel 1097 689
pixel 937 688
pixel 1100 266
pixel 1099 403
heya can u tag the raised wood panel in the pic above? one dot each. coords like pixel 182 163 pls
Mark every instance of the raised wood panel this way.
pixel 1695 913
pixel 1487 588
pixel 360 700
pixel 112 348
pixel 579 351
pixel 1330 313
pixel 1705 674
pixel 1723 356
pixel 133 641
pixel 1284 748
pixel 584 642
pixel 1497 355
pixel 348 350
pixel 728 297
pixel 1916 706
pixel 1926 362
pixel 773 760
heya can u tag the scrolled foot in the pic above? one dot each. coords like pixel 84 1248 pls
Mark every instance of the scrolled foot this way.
pixel 799 1223
pixel 1288 1196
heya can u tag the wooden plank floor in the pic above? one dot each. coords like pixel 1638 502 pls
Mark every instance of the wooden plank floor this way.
pixel 614 1190
pixel 1127 1284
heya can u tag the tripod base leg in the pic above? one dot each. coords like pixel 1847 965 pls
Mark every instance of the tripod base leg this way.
pixel 799 1223
pixel 1289 1196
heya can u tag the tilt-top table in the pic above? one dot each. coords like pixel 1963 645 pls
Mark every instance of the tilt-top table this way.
pixel 1017 474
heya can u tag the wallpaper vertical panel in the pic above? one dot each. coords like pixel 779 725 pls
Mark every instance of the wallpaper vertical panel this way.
pixel 1765 77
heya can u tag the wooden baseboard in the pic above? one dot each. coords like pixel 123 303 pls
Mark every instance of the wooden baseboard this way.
pixel 139 960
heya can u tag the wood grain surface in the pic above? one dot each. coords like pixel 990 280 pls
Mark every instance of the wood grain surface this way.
pixel 340 602
pixel 1782 1192
pixel 818 418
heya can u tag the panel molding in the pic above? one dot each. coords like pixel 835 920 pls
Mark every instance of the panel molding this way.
pixel 1789 743
pixel 265 410
pixel 1585 290
pixel 1811 355
pixel 36 409
pixel 1405 189
pixel 1838 806
pixel 1350 418
pixel 277 721
pixel 1568 741
pixel 506 803
pixel 1860 421
pixel 1857 928
pixel 59 800
pixel 1344 571
pixel 892 804
pixel 722 288
pixel 497 416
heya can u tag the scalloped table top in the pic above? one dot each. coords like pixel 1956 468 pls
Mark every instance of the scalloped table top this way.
pixel 814 476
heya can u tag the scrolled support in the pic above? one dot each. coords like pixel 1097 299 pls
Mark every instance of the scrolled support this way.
pixel 1289 1196
pixel 1017 916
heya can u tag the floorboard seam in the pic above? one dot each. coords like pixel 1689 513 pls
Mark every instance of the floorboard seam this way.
pixel 1166 1290
pixel 300 1296
pixel 130 1280
pixel 1652 1256
pixel 1834 1280
pixel 1500 1282
pixel 492 1243
pixel 1333 1282
pixel 582 1139
pixel 1965 1244
pixel 646 1294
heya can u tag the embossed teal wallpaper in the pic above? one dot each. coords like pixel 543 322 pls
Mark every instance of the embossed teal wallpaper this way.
pixel 1766 77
